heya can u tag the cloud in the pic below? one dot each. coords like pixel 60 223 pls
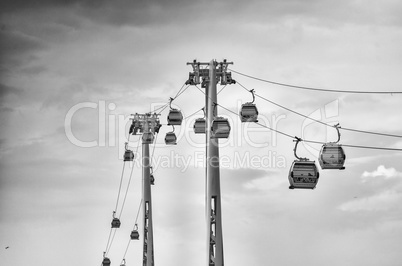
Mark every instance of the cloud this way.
pixel 16 48
pixel 383 192
pixel 381 172
pixel 383 201
pixel 7 90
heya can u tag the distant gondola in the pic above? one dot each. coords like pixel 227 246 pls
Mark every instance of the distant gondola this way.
pixel 249 111
pixel 332 155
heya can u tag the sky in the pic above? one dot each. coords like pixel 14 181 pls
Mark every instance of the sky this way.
pixel 72 72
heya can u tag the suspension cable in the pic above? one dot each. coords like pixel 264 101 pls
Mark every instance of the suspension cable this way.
pixel 318 121
pixel 312 141
pixel 315 89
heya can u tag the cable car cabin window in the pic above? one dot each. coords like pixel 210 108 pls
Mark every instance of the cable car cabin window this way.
pixel 249 113
pixel 303 174
pixel 220 128
pixel 134 235
pixel 128 155
pixel 147 138
pixel 332 156
pixel 199 126
pixel 170 138
pixel 174 117
pixel 116 223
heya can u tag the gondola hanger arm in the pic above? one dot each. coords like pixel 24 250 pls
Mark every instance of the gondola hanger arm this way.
pixel 297 140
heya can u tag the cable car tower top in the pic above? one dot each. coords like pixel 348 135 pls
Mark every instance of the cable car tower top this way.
pixel 215 127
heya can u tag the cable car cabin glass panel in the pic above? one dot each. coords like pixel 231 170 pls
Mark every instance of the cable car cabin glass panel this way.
pixel 170 138
pixel 303 174
pixel 199 126
pixel 106 262
pixel 116 223
pixel 332 156
pixel 220 128
pixel 147 138
pixel 174 117
pixel 134 235
pixel 249 113
pixel 128 155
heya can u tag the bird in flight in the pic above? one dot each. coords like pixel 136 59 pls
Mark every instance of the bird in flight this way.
pixel 7 247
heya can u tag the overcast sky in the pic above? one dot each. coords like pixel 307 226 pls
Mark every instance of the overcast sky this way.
pixel 73 71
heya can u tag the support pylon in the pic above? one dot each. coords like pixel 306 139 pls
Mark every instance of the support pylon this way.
pixel 147 124
pixel 213 188
pixel 210 78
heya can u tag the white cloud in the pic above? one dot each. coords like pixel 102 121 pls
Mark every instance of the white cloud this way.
pixel 383 188
pixel 381 172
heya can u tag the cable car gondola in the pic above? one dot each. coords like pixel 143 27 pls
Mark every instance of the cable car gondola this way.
pixel 249 111
pixel 170 138
pixel 199 126
pixel 128 154
pixel 115 222
pixel 175 117
pixel 220 128
pixel 332 155
pixel 147 138
pixel 123 263
pixel 152 179
pixel 303 173
pixel 106 261
pixel 134 234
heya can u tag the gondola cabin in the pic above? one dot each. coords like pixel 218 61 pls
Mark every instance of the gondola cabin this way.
pixel 128 156
pixel 220 128
pixel 174 117
pixel 152 179
pixel 116 223
pixel 134 235
pixel 171 138
pixel 303 174
pixel 199 126
pixel 249 113
pixel 332 156
pixel 106 261
pixel 147 138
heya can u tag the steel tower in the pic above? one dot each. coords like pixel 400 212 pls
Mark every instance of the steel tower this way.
pixel 210 77
pixel 147 124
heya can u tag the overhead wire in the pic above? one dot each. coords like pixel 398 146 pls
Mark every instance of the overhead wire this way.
pixel 312 141
pixel 315 89
pixel 221 89
pixel 192 114
pixel 128 184
pixel 318 121
pixel 180 92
